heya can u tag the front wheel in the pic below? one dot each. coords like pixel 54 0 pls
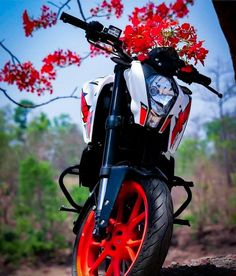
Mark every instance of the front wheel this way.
pixel 139 233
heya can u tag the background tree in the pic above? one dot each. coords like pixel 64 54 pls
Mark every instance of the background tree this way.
pixel 222 132
pixel 36 216
pixel 226 13
pixel 219 130
pixel 9 162
pixel 30 198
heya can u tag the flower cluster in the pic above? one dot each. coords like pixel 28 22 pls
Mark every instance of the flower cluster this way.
pixel 59 59
pixel 191 48
pixel 140 39
pixel 47 19
pixel 180 9
pixel 26 77
pixel 115 6
pixel 150 26
pixel 174 11
pixel 157 26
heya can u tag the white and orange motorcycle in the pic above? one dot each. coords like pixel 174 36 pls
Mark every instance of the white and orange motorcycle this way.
pixel 133 122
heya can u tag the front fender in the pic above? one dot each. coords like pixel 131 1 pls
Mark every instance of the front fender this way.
pixel 116 177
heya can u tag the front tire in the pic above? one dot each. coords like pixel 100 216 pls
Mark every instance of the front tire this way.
pixel 140 230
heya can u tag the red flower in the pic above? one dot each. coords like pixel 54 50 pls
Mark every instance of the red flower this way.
pixel 173 11
pixel 162 10
pixel 115 6
pixel 27 78
pixel 60 59
pixel 27 24
pixel 140 15
pixel 47 19
pixel 151 26
pixel 156 26
pixel 180 8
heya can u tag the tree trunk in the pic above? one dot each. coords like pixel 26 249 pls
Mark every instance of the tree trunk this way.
pixel 226 12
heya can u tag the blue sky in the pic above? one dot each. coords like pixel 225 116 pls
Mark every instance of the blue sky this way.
pixel 202 16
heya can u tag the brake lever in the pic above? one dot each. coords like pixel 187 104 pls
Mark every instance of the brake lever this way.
pixel 214 91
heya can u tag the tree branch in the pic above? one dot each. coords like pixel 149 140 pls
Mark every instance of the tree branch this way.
pixel 99 16
pixel 229 94
pixel 60 8
pixel 41 104
pixel 81 10
pixel 73 92
pixel 53 4
pixel 13 57
pixel 16 60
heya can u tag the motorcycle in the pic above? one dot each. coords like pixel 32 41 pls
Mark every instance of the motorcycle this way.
pixel 133 122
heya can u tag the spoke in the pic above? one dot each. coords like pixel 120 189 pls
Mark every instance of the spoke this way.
pixel 136 208
pixel 109 270
pixel 98 244
pixel 99 260
pixel 131 253
pixel 136 220
pixel 135 243
pixel 114 268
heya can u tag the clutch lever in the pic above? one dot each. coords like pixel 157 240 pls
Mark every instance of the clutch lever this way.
pixel 220 95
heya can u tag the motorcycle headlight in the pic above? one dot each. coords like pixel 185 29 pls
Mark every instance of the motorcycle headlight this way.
pixel 161 97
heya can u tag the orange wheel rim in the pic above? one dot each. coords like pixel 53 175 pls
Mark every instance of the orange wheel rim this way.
pixel 115 255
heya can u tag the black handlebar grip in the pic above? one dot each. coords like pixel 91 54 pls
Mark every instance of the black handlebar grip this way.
pixel 67 18
pixel 193 76
pixel 202 79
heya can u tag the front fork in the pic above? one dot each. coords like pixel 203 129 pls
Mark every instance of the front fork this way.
pixel 106 199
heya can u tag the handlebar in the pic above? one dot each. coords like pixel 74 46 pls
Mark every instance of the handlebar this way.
pixel 195 76
pixel 95 32
pixel 67 18
pixel 202 79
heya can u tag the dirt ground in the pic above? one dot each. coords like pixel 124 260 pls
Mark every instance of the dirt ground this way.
pixel 215 240
pixel 213 252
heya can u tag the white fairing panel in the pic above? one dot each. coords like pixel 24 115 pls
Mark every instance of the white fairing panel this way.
pixel 89 97
pixel 179 117
pixel 136 85
pixel 176 119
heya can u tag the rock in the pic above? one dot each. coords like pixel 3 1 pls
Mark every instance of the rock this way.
pixel 207 266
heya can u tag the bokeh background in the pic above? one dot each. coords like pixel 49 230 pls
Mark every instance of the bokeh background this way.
pixel 36 145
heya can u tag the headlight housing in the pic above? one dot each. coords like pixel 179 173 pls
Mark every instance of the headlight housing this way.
pixel 161 97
